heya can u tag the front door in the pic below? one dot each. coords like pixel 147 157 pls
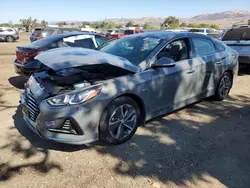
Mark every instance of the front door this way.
pixel 173 87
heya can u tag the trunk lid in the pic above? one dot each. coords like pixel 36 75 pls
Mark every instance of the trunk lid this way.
pixel 63 58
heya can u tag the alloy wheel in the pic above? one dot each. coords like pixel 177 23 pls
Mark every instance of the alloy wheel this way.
pixel 122 122
pixel 225 86
pixel 9 39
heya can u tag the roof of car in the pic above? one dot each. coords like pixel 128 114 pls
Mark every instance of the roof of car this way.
pixel 68 34
pixel 166 34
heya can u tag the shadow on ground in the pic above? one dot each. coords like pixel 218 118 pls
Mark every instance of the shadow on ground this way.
pixel 37 147
pixel 184 151
pixel 213 142
pixel 18 81
pixel 244 70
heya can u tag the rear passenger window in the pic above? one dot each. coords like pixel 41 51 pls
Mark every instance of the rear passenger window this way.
pixel 10 30
pixel 1 30
pixel 101 40
pixel 83 43
pixel 220 47
pixel 203 47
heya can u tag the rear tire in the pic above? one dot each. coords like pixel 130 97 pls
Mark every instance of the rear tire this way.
pixel 224 86
pixel 10 39
pixel 119 121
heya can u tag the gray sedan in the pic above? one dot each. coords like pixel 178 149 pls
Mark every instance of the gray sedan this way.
pixel 86 94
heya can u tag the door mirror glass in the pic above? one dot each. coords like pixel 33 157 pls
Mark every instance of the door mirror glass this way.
pixel 164 62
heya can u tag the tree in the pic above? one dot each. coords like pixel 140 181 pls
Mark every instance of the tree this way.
pixel 72 23
pixel 171 22
pixel 26 23
pixel 147 26
pixel 192 25
pixel 136 25
pixel 61 23
pixel 214 26
pixel 44 23
pixel 119 26
pixel 183 24
pixel 129 24
pixel 108 25
pixel 203 25
pixel 85 23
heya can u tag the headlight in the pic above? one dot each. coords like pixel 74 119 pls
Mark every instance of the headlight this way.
pixel 74 98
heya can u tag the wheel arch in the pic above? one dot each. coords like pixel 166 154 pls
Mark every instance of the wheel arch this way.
pixel 138 101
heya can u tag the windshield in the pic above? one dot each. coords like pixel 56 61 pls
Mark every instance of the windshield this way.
pixel 237 34
pixel 134 49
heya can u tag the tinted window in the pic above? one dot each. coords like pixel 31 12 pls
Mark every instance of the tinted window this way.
pixel 176 50
pixel 209 31
pixel 37 32
pixel 101 40
pixel 83 43
pixel 128 32
pixel 10 30
pixel 203 47
pixel 197 30
pixel 237 34
pixel 1 30
pixel 134 48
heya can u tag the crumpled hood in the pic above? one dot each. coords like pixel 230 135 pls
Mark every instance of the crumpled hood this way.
pixel 67 57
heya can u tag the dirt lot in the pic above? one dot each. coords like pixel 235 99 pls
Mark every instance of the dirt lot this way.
pixel 204 145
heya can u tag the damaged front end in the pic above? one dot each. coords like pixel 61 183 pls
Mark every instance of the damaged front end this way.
pixel 54 100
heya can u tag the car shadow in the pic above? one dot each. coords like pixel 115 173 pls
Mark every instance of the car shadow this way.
pixel 187 151
pixel 37 141
pixel 244 70
pixel 18 81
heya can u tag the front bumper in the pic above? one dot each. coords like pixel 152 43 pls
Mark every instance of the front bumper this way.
pixel 85 122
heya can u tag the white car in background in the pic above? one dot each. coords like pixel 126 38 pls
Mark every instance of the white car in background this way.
pixel 238 38
pixel 204 31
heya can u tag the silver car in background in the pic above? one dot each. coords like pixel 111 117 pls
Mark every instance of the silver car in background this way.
pixel 86 94
pixel 8 34
pixel 238 38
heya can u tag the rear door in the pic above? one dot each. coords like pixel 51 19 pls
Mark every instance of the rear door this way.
pixel 204 57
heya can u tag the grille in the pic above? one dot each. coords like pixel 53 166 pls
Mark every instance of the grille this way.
pixel 32 106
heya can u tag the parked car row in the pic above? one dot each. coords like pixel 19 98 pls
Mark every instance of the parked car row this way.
pixel 81 95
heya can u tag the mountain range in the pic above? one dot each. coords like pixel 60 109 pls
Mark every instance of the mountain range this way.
pixel 223 19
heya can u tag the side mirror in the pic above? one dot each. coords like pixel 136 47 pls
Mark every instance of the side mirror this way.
pixel 163 62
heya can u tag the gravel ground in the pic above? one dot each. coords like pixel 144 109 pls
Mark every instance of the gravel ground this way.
pixel 203 145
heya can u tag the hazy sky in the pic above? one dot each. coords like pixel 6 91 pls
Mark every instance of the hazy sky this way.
pixel 78 10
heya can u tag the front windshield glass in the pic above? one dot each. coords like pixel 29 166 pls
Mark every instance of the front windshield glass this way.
pixel 134 49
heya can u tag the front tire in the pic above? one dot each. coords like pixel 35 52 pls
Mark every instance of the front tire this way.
pixel 10 39
pixel 119 121
pixel 224 86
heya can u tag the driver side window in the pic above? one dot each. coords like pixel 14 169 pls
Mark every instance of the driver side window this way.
pixel 176 50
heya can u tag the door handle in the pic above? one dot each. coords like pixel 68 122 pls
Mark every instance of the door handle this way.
pixel 190 71
pixel 220 60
